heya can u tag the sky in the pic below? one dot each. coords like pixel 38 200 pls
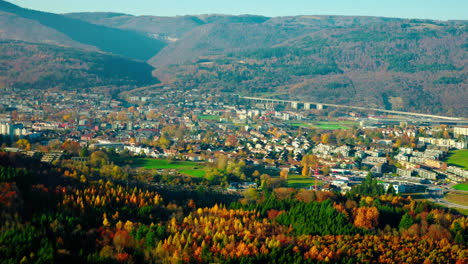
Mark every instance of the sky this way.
pixel 428 9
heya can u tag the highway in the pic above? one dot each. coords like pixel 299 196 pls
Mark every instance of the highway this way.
pixel 446 203
pixel 352 107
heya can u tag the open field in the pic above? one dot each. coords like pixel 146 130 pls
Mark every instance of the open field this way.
pixel 208 117
pixel 462 211
pixel 188 168
pixel 331 125
pixel 326 125
pixel 458 198
pixel 198 173
pixel 299 181
pixel 461 187
pixel 458 158
pixel 301 124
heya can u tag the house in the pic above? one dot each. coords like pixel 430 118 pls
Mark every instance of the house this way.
pixel 87 137
pixel 107 145
pixel 170 152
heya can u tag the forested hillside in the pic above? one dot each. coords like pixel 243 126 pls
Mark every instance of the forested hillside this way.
pixel 169 29
pixel 127 43
pixel 412 65
pixel 40 66
pixel 71 213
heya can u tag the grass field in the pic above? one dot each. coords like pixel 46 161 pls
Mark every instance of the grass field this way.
pixel 301 124
pixel 461 187
pixel 325 125
pixel 198 173
pixel 457 197
pixel 208 117
pixel 330 125
pixel 299 181
pixel 462 211
pixel 188 168
pixel 458 158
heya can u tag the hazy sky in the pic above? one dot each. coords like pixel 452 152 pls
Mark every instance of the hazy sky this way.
pixel 434 9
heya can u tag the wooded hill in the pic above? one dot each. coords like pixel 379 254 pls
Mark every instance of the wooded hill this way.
pixel 31 25
pixel 395 64
pixel 41 66
pixel 400 64
pixel 58 214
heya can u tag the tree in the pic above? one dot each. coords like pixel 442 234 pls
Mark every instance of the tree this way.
pixel 369 187
pixel 84 152
pixel 366 217
pixel 121 240
pixel 222 162
pixel 326 170
pixel 446 134
pixel 72 147
pixel 284 173
pixel 256 174
pixel 105 222
pixel 307 162
pixel 325 138
pixel 23 144
pixel 265 180
pixel 406 222
pixel 164 142
pixel 250 194
pixel 98 158
pixel 191 204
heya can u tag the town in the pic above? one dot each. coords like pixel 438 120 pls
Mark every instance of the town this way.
pixel 275 145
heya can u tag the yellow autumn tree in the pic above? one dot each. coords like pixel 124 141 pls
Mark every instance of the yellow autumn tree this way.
pixel 307 162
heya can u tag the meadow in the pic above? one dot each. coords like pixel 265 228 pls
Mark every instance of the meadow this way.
pixel 461 187
pixel 458 158
pixel 193 169
pixel 457 197
pixel 209 117
pixel 299 181
pixel 325 125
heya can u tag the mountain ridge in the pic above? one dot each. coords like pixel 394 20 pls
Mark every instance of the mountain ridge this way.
pixel 415 65
pixel 117 41
pixel 41 67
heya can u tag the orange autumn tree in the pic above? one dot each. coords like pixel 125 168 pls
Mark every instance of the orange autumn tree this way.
pixel 366 217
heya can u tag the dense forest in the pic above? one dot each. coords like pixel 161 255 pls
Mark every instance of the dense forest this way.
pixel 55 214
pixel 40 66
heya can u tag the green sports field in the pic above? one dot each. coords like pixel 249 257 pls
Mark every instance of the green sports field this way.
pixel 188 168
pixel 461 187
pixel 458 158
pixel 198 173
pixel 299 181
pixel 209 117
pixel 330 125
pixel 326 125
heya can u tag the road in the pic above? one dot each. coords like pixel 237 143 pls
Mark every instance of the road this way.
pixel 446 203
pixel 353 107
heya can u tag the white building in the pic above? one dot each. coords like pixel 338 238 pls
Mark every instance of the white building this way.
pixel 460 131
pixel 444 142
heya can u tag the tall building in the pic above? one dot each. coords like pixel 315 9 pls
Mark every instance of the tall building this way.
pixel 7 130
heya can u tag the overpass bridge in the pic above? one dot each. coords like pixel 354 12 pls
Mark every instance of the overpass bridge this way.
pixel 308 105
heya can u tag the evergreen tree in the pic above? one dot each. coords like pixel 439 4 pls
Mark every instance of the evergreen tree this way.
pixel 406 222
